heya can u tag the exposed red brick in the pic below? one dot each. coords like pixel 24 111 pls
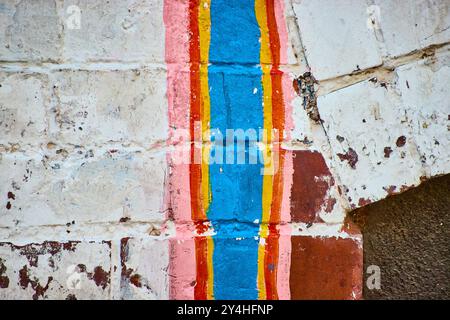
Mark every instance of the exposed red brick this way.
pixel 124 257
pixel 33 251
pixel 312 179
pixel 390 190
pixel 4 280
pixel 387 152
pixel 330 202
pixel 325 268
pixel 350 156
pixel 351 228
pixel 296 86
pixel 25 280
pixel 363 201
pixel 401 141
pixel 100 277
pixel 135 279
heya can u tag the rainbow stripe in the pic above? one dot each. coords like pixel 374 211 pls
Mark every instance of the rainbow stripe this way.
pixel 234 52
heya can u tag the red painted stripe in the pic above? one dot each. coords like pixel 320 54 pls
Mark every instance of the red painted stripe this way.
pixel 195 116
pixel 197 212
pixel 201 256
pixel 271 263
pixel 278 118
pixel 273 33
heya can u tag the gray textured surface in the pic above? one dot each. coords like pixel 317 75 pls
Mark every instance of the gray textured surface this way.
pixel 408 237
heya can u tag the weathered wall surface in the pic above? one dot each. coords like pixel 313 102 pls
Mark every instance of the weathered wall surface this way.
pixel 95 202
pixel 408 238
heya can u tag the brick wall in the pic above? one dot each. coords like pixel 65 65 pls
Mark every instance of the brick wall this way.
pixel 92 201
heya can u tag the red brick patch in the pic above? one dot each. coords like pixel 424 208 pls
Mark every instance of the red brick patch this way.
pixel 311 182
pixel 325 268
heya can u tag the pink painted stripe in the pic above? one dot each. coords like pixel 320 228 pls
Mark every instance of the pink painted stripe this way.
pixel 284 262
pixel 182 268
pixel 284 255
pixel 178 88
pixel 282 30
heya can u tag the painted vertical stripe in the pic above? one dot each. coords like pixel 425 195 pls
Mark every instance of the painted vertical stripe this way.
pixel 278 116
pixel 271 261
pixel 195 112
pixel 274 118
pixel 201 258
pixel 195 169
pixel 204 33
pixel 182 267
pixel 284 262
pixel 199 120
pixel 236 103
pixel 231 93
pixel 265 60
pixel 284 244
pixel 210 289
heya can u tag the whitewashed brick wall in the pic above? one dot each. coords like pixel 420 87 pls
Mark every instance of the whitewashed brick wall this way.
pixel 83 129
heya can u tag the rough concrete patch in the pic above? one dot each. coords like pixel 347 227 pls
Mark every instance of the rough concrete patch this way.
pixel 407 236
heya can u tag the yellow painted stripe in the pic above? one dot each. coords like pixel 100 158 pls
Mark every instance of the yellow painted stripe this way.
pixel 265 57
pixel 205 36
pixel 210 289
pixel 204 19
pixel 265 60
pixel 261 283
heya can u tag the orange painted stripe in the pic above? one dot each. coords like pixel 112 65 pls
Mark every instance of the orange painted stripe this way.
pixel 278 113
pixel 271 263
pixel 278 118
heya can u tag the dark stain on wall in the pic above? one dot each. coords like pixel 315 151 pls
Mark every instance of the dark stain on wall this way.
pixel 408 237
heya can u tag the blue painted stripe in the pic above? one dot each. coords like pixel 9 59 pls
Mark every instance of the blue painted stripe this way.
pixel 236 103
